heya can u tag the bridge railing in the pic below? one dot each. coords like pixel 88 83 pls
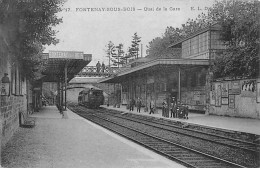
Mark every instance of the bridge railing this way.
pixel 94 71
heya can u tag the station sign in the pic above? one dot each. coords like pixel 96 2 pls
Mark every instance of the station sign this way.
pixel 65 55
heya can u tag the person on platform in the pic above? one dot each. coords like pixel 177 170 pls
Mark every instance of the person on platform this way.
pixel 164 108
pixel 103 67
pixel 152 107
pixel 173 107
pixel 138 104
pixel 132 103
pixel 98 65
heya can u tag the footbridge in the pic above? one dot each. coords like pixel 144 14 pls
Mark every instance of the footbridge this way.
pixel 89 77
pixel 93 71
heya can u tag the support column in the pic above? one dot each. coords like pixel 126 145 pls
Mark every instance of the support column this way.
pixel 114 95
pixel 65 84
pixel 209 77
pixel 61 94
pixel 58 94
pixel 179 83
pixel 121 94
pixel 145 88
pixel 109 93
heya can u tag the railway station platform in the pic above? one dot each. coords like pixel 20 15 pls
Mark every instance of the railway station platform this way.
pixel 246 125
pixel 73 142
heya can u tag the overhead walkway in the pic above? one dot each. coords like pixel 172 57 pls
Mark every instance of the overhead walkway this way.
pixel 92 71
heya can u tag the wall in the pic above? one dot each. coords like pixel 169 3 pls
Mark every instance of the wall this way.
pixel 163 84
pixel 12 104
pixel 16 101
pixel 10 107
pixel 236 98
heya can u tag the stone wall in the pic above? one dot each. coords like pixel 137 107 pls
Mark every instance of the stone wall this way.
pixel 10 108
pixel 237 98
pixel 12 104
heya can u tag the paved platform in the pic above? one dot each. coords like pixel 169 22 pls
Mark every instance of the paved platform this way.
pixel 230 123
pixel 73 142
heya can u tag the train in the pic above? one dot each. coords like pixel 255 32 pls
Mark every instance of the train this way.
pixel 91 98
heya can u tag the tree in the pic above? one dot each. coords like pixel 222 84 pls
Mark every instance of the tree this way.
pixel 134 49
pixel 110 52
pixel 33 22
pixel 127 56
pixel 240 32
pixel 241 25
pixel 119 55
pixel 159 47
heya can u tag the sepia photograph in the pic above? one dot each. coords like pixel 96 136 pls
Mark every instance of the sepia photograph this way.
pixel 129 84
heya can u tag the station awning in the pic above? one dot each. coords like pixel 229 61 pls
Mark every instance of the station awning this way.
pixel 56 61
pixel 154 64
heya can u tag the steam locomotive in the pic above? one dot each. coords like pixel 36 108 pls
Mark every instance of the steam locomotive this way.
pixel 91 98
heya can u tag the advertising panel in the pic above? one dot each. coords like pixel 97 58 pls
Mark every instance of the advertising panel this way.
pixel 234 87
pixel 218 94
pixel 258 93
pixel 224 90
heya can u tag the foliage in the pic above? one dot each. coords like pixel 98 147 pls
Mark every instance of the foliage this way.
pixel 159 47
pixel 237 61
pixel 34 21
pixel 110 52
pixel 134 49
pixel 240 22
pixel 119 55
pixel 240 31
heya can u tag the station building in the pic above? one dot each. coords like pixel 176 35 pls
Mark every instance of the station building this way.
pixel 187 77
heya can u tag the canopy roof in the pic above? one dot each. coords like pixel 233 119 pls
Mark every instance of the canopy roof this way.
pixel 154 65
pixel 55 62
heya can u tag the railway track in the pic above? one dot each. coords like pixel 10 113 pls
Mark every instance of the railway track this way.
pixel 219 144
pixel 184 155
pixel 227 141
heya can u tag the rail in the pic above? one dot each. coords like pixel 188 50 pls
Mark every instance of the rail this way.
pixel 185 155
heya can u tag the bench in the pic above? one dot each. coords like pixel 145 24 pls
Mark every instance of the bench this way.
pixel 25 122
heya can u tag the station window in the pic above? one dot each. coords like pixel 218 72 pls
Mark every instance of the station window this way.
pixel 157 87
pixel 138 89
pixel 143 88
pixel 16 81
pixel 193 80
pixel 150 87
pixel 195 45
pixel 124 88
pixel 183 79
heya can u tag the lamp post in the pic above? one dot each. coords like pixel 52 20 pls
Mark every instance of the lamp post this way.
pixel 5 89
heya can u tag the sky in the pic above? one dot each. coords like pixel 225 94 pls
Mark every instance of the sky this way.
pixel 88 25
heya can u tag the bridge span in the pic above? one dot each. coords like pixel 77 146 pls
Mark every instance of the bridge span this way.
pixel 78 84
pixel 92 71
